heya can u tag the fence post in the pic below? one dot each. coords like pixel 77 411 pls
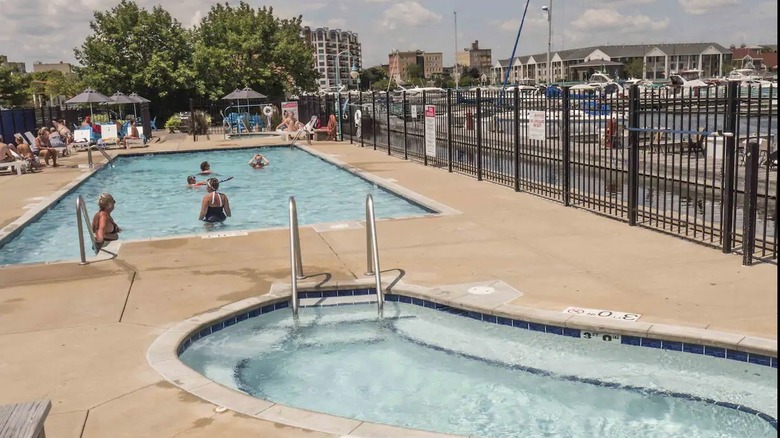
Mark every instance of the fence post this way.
pixel 566 133
pixel 360 102
pixel 351 118
pixel 192 120
pixel 403 111
pixel 373 117
pixel 387 100
pixel 749 209
pixel 729 167
pixel 479 134
pixel 633 155
pixel 449 130
pixel 516 129
pixel 425 153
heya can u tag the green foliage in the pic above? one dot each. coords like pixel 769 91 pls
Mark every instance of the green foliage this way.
pixel 379 85
pixel 132 49
pixel 237 46
pixel 173 123
pixel 633 69
pixel 371 75
pixel 13 88
pixel 414 71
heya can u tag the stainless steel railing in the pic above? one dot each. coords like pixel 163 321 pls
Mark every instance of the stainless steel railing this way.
pixel 89 155
pixel 372 253
pixel 82 218
pixel 296 264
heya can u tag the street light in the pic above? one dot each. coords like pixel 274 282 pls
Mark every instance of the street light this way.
pixel 354 74
pixel 548 9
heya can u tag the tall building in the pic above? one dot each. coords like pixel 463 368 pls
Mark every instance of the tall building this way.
pixel 64 67
pixel 326 44
pixel 16 67
pixel 474 57
pixel 430 64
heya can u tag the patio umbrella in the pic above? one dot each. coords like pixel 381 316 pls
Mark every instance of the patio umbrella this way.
pixel 89 96
pixel 137 99
pixel 120 98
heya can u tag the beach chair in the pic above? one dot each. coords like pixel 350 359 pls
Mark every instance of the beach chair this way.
pixel 81 139
pixel 140 142
pixel 153 123
pixel 108 136
pixel 19 165
pixel 307 131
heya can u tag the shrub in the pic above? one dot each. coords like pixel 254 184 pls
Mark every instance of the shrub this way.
pixel 173 123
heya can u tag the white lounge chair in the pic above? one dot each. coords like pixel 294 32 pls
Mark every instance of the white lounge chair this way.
pixel 29 138
pixel 109 136
pixel 307 131
pixel 19 165
pixel 81 139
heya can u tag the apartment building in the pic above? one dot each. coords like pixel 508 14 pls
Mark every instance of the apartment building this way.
pixel 64 67
pixel 657 61
pixel 474 57
pixel 430 64
pixel 330 46
pixel 16 67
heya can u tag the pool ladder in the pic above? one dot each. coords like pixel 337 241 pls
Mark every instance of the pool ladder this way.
pixel 372 254
pixel 89 155
pixel 82 218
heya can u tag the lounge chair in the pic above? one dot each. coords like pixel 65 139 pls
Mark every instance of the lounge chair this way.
pixel 108 136
pixel 153 123
pixel 19 165
pixel 29 138
pixel 81 139
pixel 307 131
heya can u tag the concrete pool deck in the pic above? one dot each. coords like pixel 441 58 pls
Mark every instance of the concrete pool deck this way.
pixel 79 334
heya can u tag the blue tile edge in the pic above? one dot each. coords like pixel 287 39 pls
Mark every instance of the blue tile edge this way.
pixel 716 352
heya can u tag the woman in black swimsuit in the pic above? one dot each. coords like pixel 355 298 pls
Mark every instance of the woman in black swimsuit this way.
pixel 103 225
pixel 215 206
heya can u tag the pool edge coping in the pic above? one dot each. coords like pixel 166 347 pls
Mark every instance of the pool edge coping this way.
pixel 163 353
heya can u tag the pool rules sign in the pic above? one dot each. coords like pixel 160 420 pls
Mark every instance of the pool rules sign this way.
pixel 536 125
pixel 430 130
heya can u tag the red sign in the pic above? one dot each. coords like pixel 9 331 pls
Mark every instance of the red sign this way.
pixel 430 111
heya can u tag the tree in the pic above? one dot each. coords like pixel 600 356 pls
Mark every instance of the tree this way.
pixel 372 75
pixel 132 49
pixel 380 85
pixel 634 68
pixel 13 88
pixel 242 46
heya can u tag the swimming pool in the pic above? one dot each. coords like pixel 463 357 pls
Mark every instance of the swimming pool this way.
pixel 153 200
pixel 431 370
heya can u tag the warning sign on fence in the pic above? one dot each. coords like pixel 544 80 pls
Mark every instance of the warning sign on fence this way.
pixel 536 125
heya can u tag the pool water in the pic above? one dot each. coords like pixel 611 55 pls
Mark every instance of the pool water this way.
pixel 425 369
pixel 153 199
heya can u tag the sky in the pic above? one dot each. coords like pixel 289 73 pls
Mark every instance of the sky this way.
pixel 48 30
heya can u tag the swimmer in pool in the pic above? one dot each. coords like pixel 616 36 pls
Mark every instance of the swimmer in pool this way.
pixel 205 168
pixel 259 161
pixel 215 206
pixel 191 183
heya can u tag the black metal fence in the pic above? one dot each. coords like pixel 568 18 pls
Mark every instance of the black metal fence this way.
pixel 696 163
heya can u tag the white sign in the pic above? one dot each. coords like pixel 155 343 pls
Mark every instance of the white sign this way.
pixel 600 313
pixel 536 125
pixel 430 130
pixel 290 108
pixel 414 111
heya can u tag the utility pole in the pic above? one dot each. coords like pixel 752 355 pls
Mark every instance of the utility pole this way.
pixel 548 8
pixel 456 73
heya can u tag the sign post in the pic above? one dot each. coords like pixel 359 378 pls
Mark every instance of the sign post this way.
pixel 430 130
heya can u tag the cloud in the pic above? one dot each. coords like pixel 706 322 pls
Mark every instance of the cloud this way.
pixel 336 23
pixel 513 24
pixel 196 17
pixel 701 7
pixel 408 13
pixel 612 20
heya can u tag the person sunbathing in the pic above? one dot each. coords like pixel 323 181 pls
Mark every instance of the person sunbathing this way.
pixel 132 133
pixel 45 149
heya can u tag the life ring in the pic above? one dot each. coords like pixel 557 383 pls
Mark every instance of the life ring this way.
pixel 358 117
pixel 268 111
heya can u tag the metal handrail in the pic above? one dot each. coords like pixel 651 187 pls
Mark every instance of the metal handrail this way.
pixel 372 252
pixel 82 217
pixel 296 263
pixel 89 155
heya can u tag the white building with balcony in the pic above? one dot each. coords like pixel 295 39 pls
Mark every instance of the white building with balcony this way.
pixel 326 44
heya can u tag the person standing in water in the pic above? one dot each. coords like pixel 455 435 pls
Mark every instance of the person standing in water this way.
pixel 103 225
pixel 259 161
pixel 215 206
pixel 205 168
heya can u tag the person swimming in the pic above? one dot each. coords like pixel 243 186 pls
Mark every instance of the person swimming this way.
pixel 205 168
pixel 215 206
pixel 192 183
pixel 103 225
pixel 259 161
